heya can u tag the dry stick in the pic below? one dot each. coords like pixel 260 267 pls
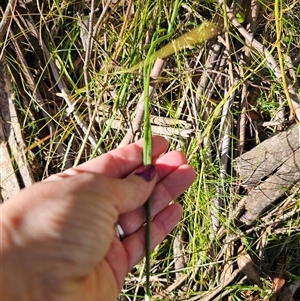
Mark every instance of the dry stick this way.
pixel 4 106
pixel 179 282
pixel 7 16
pixel 214 47
pixel 267 223
pixel 241 126
pixel 184 108
pixel 6 20
pixel 92 31
pixel 254 9
pixel 274 123
pixel 210 64
pixel 278 210
pixel 101 18
pixel 284 217
pixel 139 111
pixel 56 76
pixel 224 145
pixel 178 254
pixel 88 52
pixel 271 62
pixel 206 85
pixel 225 131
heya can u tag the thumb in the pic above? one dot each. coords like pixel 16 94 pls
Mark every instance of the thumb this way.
pixel 134 190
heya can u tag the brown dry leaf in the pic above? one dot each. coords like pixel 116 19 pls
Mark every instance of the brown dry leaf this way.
pixel 246 266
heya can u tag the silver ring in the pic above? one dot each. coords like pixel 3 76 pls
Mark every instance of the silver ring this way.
pixel 120 231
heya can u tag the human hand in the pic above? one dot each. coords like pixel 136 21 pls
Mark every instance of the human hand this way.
pixel 59 235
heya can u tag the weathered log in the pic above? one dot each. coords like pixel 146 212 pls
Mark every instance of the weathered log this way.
pixel 270 170
pixel 263 160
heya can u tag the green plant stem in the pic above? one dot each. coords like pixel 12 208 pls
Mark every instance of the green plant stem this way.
pixel 147 160
pixel 148 246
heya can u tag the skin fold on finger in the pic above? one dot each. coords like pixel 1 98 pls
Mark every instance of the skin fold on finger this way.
pixel 119 162
pixel 166 191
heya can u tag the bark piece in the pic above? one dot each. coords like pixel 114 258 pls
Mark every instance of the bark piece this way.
pixel 274 167
pixel 275 187
pixel 264 159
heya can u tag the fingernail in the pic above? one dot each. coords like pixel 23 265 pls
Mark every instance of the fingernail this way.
pixel 147 172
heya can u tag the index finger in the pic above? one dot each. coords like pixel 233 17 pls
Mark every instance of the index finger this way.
pixel 121 162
